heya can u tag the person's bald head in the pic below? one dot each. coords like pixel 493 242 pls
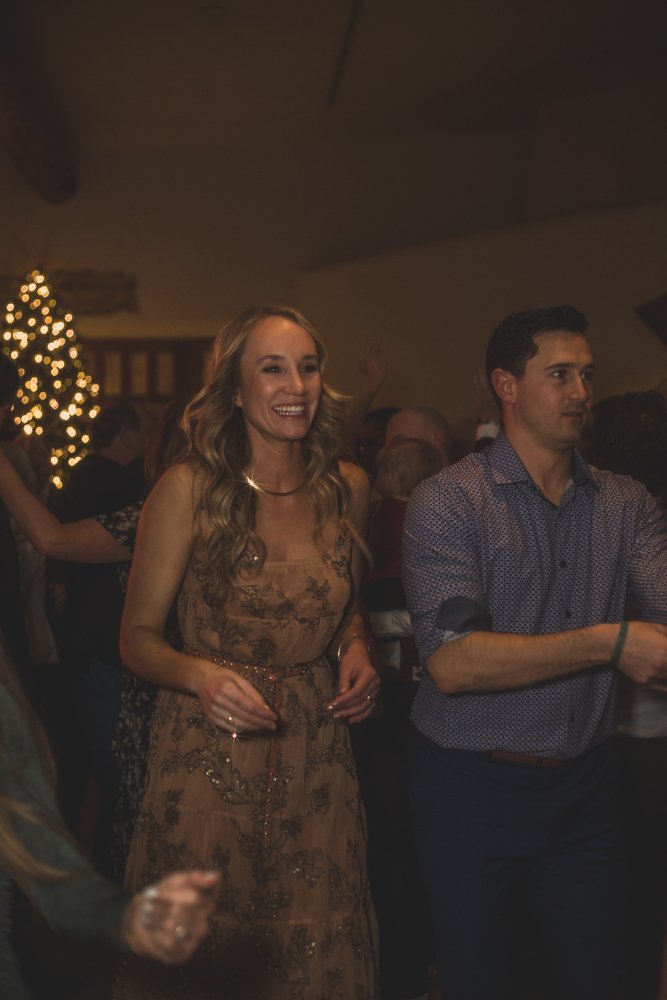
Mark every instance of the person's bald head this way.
pixel 425 424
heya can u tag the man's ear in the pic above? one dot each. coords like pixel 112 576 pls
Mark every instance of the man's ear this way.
pixel 504 384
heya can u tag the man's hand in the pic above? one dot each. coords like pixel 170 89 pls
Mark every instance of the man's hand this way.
pixel 644 655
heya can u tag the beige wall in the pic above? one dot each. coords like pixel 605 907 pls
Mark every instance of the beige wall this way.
pixel 432 308
pixel 209 232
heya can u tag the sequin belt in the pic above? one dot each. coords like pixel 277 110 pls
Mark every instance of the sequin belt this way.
pixel 264 672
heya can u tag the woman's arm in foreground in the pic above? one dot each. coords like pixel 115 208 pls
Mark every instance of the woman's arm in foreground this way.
pixel 168 920
pixel 164 543
pixel 73 898
pixel 82 541
pixel 358 682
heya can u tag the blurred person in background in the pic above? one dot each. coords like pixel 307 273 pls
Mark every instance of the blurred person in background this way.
pixel 629 437
pixel 166 922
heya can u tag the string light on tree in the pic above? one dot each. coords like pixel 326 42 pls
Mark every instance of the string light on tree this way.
pixel 56 398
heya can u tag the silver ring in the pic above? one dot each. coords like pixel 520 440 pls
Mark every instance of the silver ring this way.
pixel 146 912
pixel 182 933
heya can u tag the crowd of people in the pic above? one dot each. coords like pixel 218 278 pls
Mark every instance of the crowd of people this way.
pixel 373 708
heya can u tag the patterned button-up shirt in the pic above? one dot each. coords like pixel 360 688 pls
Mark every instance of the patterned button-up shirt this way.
pixel 484 549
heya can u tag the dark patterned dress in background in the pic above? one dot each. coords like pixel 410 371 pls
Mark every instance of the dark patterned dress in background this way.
pixel 137 697
pixel 277 814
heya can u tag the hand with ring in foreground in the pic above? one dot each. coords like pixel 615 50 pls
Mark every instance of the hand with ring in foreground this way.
pixel 232 703
pixel 167 921
pixel 358 684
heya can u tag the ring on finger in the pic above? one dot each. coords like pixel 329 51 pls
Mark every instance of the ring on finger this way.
pixel 147 905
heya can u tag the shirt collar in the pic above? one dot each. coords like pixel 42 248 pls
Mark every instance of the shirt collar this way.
pixel 506 466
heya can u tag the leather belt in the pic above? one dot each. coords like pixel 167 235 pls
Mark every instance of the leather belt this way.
pixel 527 759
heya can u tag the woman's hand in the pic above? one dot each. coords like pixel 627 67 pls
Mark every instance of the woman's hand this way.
pixel 358 684
pixel 169 920
pixel 231 702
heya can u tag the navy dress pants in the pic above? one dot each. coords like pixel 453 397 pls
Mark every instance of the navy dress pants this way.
pixel 516 857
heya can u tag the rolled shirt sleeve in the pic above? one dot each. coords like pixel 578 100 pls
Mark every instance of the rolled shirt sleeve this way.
pixel 441 573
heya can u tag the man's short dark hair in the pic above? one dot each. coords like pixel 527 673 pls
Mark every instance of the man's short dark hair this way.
pixel 111 421
pixel 512 343
pixel 630 437
pixel 9 379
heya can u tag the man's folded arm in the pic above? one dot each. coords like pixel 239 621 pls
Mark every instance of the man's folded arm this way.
pixel 497 661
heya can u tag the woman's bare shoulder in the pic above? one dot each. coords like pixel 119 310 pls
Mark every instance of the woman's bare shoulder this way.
pixel 181 481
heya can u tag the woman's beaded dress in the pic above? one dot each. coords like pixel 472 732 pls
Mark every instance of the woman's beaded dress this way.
pixel 277 814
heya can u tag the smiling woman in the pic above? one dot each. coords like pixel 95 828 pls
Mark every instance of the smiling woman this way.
pixel 258 536
pixel 279 393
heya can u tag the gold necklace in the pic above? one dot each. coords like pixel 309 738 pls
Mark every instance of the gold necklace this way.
pixel 273 493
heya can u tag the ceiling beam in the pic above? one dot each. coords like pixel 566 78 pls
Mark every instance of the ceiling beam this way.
pixel 344 53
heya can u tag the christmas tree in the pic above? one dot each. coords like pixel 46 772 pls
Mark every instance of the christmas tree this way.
pixel 56 399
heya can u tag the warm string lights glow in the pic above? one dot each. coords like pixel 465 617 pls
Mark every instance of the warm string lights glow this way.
pixel 56 399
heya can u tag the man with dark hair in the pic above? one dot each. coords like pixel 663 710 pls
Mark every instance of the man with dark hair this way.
pixel 512 343
pixel 517 562
pixel 12 621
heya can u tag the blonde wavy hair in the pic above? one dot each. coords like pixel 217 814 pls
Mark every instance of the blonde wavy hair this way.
pixel 218 443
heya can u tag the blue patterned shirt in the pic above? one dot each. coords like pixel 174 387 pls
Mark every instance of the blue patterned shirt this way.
pixel 484 549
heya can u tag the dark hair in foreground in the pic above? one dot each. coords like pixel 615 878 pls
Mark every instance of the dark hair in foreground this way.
pixel 512 343
pixel 630 437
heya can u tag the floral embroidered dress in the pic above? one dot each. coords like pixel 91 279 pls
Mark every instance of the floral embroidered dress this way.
pixel 278 814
